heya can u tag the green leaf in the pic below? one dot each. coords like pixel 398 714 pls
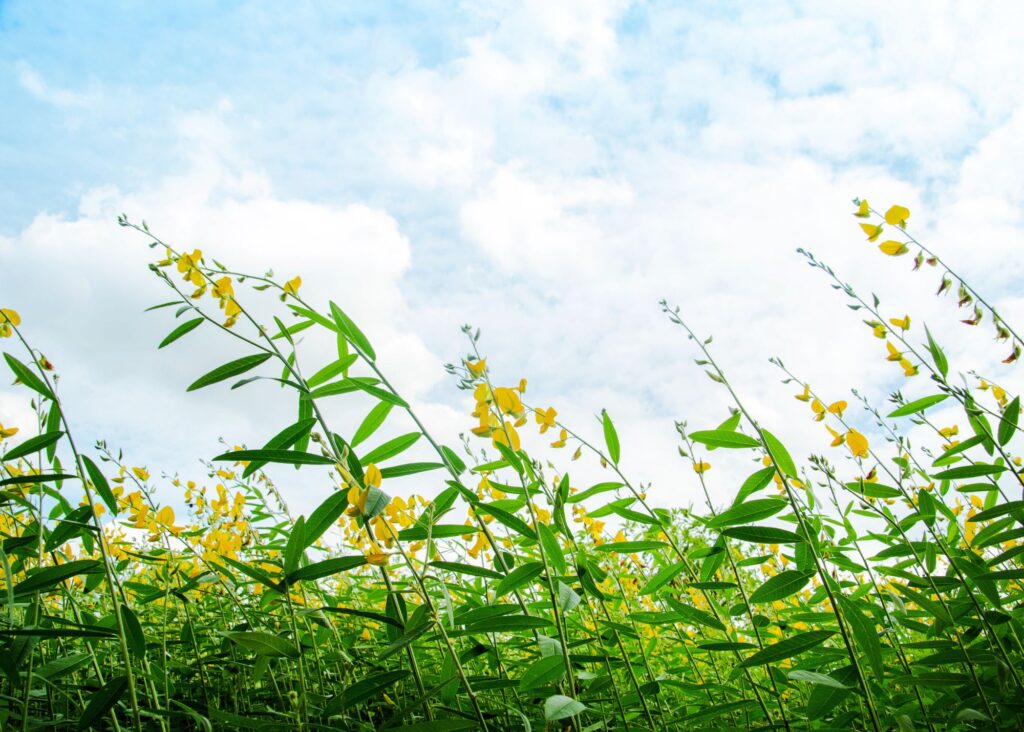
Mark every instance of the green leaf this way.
pixel 438 725
pixel 288 457
pixel 812 677
pixel 561 707
pixel 518 577
pixel 229 370
pixel 969 471
pixel 824 698
pixel 787 648
pixel 186 327
pixel 35 479
pixel 352 333
pixel 724 438
pixel 469 569
pixel 692 615
pixel 508 519
pixel 780 586
pixel 32 445
pixel 102 701
pixel 49 577
pixel 100 484
pixel 326 568
pixel 369 688
pixel 918 405
pixel 552 549
pixel 762 534
pixel 262 644
pixel 937 355
pixel 748 512
pixel 662 577
pixel 284 440
pixel 779 454
pixel 593 491
pixel 630 547
pixel 390 448
pixel 383 394
pixel 543 671
pixel 400 471
pixel 754 483
pixel 611 437
pixel 371 422
pixel 133 632
pixel 864 633
pixel 295 546
pixel 26 377
pixel 1000 510
pixel 324 516
pixel 331 370
pixel 1008 422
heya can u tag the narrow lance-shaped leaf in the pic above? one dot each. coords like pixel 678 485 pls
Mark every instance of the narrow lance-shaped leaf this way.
pixel 918 405
pixel 229 370
pixel 611 437
pixel 779 454
pixel 187 327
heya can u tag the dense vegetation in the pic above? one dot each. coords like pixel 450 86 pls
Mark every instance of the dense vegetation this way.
pixel 876 586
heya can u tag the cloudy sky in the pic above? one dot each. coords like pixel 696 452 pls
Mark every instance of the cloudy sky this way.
pixel 547 171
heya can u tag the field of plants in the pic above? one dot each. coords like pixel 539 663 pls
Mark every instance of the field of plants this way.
pixel 874 586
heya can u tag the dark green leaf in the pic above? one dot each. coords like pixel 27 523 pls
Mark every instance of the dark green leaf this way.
pixel 229 370
pixel 186 327
pixel 918 405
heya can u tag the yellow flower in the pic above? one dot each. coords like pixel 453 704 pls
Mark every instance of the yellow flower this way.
pixel 893 248
pixel 511 439
pixel 477 367
pixel 897 216
pixel 901 323
pixel 701 467
pixel 872 231
pixel 857 443
pixel 545 418
pixel 7 431
pixel 864 210
pixel 837 438
pixel 8 318
pixel 819 410
pixel 837 408
pixel 909 369
pixel 560 442
pixel 141 473
pixel 806 395
pixel 372 476
pixel 291 287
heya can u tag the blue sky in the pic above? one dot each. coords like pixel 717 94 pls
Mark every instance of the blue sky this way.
pixel 547 171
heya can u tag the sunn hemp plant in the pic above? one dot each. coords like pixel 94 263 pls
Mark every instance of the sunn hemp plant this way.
pixel 874 586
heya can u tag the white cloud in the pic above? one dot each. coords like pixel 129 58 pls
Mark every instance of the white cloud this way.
pixel 582 173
